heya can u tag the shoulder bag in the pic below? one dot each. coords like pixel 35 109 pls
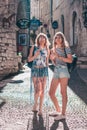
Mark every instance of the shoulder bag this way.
pixel 31 62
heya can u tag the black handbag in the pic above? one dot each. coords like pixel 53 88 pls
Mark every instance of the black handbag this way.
pixel 29 64
pixel 71 66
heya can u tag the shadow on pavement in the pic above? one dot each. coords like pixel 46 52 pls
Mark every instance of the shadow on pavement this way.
pixel 55 125
pixel 78 86
pixel 37 123
pixel 1 87
pixel 3 83
pixel 3 102
pixel 16 81
pixel 51 67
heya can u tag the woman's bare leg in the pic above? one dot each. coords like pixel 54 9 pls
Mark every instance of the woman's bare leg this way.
pixel 53 88
pixel 63 84
pixel 43 84
pixel 36 92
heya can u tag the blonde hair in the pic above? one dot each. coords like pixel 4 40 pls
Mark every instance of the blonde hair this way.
pixel 64 42
pixel 47 43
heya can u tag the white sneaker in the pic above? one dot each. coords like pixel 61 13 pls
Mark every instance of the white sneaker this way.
pixel 60 117
pixel 55 113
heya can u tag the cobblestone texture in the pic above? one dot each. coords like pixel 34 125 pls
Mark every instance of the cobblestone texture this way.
pixel 16 110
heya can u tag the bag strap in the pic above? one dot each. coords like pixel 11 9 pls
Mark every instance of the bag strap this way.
pixel 65 52
pixel 33 51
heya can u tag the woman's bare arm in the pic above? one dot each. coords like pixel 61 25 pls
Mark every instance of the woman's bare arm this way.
pixel 47 59
pixel 67 59
pixel 30 54
pixel 52 56
pixel 31 57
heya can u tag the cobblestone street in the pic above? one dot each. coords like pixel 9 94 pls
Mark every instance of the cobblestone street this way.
pixel 43 33
pixel 16 109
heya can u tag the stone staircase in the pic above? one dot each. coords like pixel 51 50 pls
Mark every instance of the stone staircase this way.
pixel 82 62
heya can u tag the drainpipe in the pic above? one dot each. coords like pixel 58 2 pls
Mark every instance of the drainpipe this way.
pixel 28 12
pixel 51 10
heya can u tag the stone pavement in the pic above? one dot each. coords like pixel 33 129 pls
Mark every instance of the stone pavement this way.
pixel 82 74
pixel 16 109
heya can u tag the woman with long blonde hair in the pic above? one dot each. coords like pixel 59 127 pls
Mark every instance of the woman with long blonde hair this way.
pixel 60 56
pixel 39 71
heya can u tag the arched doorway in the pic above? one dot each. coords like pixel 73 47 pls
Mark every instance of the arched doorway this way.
pixel 75 28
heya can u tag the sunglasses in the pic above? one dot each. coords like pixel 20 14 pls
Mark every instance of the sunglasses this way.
pixel 57 37
pixel 41 37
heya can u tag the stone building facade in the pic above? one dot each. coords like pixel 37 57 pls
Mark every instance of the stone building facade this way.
pixel 14 40
pixel 8 48
pixel 40 9
pixel 68 14
pixel 70 21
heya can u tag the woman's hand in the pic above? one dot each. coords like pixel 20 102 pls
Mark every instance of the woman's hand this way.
pixel 52 56
pixel 67 59
pixel 37 53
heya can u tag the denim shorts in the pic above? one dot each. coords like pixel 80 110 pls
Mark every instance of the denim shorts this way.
pixel 39 72
pixel 61 72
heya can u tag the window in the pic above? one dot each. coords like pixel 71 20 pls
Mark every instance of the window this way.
pixel 22 39
pixel 75 28
pixel 62 22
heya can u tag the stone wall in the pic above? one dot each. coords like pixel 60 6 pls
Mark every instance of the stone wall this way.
pixel 8 50
pixel 81 46
pixel 8 53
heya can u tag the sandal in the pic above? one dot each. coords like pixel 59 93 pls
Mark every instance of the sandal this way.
pixel 35 111
pixel 39 113
pixel 35 108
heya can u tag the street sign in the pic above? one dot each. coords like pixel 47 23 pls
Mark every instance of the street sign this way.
pixel 23 23
pixel 54 24
pixel 34 23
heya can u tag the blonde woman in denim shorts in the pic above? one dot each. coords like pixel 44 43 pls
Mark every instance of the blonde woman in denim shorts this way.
pixel 39 71
pixel 60 56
